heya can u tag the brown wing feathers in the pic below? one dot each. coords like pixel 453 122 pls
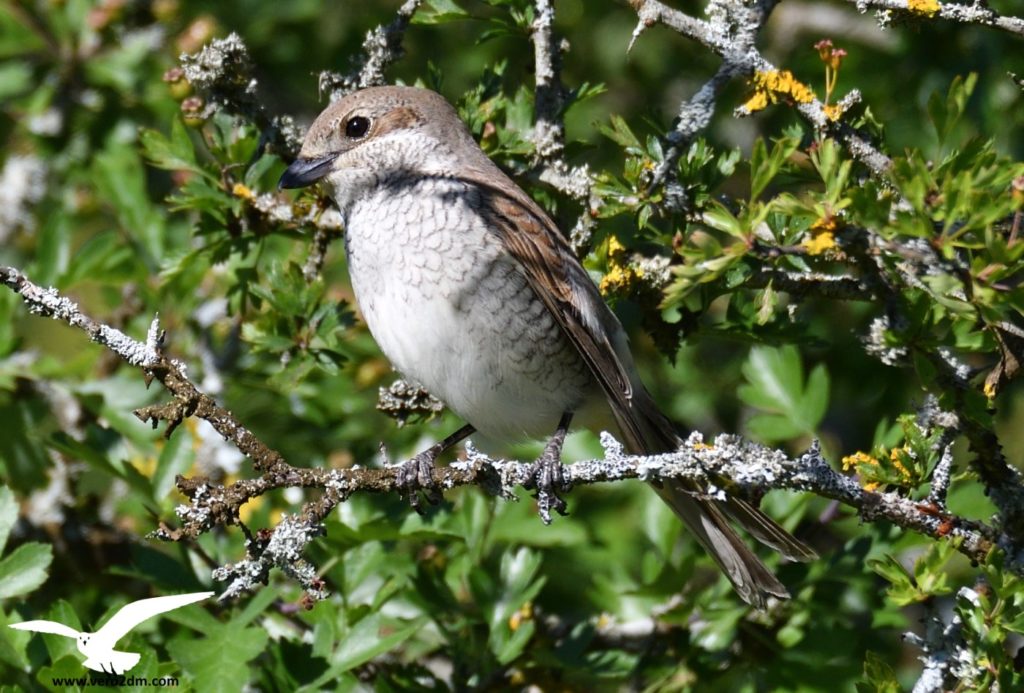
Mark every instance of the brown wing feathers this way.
pixel 562 284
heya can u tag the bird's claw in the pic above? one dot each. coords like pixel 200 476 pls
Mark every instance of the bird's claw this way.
pixel 548 479
pixel 416 475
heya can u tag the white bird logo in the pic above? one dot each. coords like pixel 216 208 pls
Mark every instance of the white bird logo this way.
pixel 98 647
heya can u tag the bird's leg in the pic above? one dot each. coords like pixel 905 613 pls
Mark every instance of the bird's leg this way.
pixel 546 473
pixel 417 474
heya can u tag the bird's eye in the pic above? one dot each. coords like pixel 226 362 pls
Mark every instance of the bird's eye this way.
pixel 357 126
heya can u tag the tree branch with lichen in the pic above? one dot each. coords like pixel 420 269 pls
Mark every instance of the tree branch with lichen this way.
pixel 731 32
pixel 549 128
pixel 727 465
pixel 978 13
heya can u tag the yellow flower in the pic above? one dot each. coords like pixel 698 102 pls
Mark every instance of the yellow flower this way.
pixel 833 111
pixel 856 459
pixel 620 276
pixel 703 446
pixel 823 236
pixel 525 613
pixel 756 102
pixel 929 8
pixel 895 457
pixel 243 191
pixel 989 390
pixel 772 85
pixel 616 251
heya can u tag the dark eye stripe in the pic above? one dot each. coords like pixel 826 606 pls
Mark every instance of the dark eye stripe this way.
pixel 357 126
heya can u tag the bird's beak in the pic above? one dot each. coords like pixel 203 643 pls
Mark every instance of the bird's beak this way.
pixel 305 172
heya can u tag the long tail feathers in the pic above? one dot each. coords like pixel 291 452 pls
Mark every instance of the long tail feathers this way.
pixel 646 431
pixel 767 531
pixel 751 578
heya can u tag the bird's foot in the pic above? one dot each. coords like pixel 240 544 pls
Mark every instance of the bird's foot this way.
pixel 415 477
pixel 547 476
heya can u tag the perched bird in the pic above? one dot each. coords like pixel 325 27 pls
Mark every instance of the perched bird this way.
pixel 470 290
pixel 98 647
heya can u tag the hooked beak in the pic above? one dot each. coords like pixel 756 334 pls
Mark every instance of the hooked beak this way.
pixel 305 172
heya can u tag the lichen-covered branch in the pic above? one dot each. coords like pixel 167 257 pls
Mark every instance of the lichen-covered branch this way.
pixel 148 355
pixel 949 662
pixel 694 116
pixel 975 13
pixel 222 73
pixel 381 47
pixel 49 302
pixel 799 284
pixel 728 465
pixel 1004 484
pixel 549 95
pixel 549 129
pixel 730 32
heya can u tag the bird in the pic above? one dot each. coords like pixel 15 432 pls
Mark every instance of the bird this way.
pixel 470 290
pixel 98 647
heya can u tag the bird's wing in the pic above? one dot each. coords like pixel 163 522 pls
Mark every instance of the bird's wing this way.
pixel 46 627
pixel 131 615
pixel 561 282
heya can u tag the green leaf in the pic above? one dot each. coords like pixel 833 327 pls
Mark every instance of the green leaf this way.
pixel 775 385
pixel 765 165
pixel 175 153
pixel 18 34
pixel 219 662
pixel 119 179
pixel 259 169
pixel 945 113
pixel 8 515
pixel 520 585
pixel 53 254
pixel 718 216
pixel 879 676
pixel 15 79
pixel 175 458
pixel 367 639
pixel 24 569
pixel 439 12
pixel 620 133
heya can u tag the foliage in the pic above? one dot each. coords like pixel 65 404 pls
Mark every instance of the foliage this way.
pixel 775 287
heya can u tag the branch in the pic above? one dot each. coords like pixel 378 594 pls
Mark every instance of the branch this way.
pixel 694 116
pixel 731 33
pixel 975 13
pixel 841 288
pixel 222 72
pixel 549 130
pixel 729 465
pixel 381 47
pixel 549 95
pixel 949 662
pixel 1004 484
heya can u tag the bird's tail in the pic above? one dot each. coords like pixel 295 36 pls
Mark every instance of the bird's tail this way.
pixel 647 431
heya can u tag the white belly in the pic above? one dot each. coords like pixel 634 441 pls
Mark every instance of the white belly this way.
pixel 452 312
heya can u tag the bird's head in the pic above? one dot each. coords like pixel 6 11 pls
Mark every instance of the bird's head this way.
pixel 378 133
